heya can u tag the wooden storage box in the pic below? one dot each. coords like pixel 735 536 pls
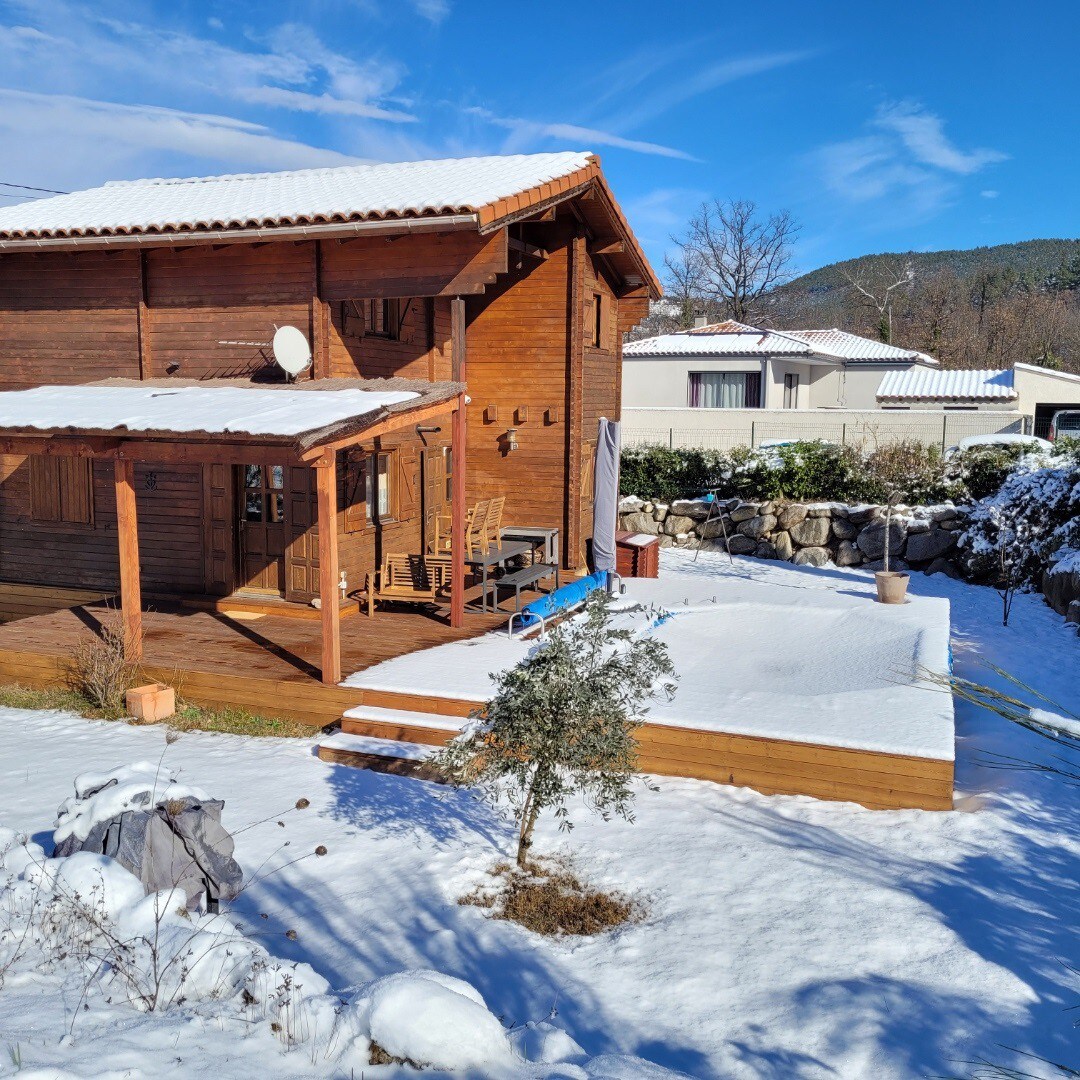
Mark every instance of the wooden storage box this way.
pixel 637 554
pixel 151 703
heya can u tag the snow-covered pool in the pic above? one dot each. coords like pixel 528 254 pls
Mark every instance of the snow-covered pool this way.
pixel 770 650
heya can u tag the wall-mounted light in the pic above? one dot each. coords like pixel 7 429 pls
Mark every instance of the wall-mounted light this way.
pixel 511 440
pixel 521 414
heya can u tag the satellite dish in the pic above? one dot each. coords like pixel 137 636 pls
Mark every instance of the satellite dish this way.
pixel 291 350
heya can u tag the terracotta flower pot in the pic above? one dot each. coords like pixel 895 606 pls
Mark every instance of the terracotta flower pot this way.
pixel 151 703
pixel 891 586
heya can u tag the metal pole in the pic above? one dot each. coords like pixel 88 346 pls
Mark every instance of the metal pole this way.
pixel 753 424
pixel 944 431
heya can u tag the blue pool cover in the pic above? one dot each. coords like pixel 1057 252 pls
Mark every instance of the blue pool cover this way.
pixel 562 599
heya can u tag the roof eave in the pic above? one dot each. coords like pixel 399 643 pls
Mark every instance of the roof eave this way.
pixel 197 237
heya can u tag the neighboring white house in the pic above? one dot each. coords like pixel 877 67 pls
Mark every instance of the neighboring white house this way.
pixel 1035 391
pixel 731 365
pixel 735 366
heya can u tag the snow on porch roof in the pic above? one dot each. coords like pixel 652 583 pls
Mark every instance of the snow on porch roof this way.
pixel 164 408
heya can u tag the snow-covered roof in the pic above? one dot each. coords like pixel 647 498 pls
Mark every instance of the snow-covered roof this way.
pixel 934 384
pixel 303 196
pixel 730 343
pixel 845 346
pixel 731 338
pixel 155 409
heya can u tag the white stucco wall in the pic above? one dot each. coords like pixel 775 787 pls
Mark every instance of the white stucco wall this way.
pixel 1044 387
pixel 662 382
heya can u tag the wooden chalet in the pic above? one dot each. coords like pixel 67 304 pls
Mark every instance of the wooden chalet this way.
pixel 465 319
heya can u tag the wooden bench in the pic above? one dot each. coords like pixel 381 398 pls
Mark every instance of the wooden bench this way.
pixel 408 579
pixel 521 579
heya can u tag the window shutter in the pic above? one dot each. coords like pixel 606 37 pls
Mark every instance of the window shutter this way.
pixel 356 505
pixel 45 488
pixel 403 501
pixel 76 490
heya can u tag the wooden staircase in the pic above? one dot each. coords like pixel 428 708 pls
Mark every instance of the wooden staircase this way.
pixel 395 732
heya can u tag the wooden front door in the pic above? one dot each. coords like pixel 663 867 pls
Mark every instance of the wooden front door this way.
pixel 302 563
pixel 262 528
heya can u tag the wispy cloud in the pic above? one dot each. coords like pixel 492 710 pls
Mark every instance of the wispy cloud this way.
pixel 989 193
pixel 76 141
pixel 432 10
pixel 530 132
pixel 906 161
pixel 688 85
pixel 923 133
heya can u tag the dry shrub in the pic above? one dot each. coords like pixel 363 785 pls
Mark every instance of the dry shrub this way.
pixel 101 671
pixel 378 1056
pixel 549 898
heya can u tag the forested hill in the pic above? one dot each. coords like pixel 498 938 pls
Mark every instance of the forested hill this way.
pixel 1032 261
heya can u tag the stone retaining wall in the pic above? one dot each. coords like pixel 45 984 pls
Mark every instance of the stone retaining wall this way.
pixel 808 534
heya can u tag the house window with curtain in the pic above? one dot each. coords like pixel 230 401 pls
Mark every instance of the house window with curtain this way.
pixel 368 494
pixel 725 390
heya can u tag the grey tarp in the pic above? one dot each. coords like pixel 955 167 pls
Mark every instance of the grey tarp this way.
pixel 173 843
pixel 606 495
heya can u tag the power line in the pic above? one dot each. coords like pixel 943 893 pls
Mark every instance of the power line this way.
pixel 27 187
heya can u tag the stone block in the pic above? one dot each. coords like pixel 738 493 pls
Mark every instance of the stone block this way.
pixel 784 547
pixel 813 532
pixel 812 556
pixel 871 540
pixel 924 547
pixel 641 523
pixel 759 526
pixel 848 554
pixel 744 512
pixel 844 530
pixel 791 515
pixel 741 545
pixel 675 524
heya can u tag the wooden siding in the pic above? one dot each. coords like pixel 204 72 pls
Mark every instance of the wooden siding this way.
pixel 517 356
pixel 199 297
pixel 68 318
pixel 86 556
pixel 771 766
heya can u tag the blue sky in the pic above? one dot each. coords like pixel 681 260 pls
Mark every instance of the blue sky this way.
pixel 880 126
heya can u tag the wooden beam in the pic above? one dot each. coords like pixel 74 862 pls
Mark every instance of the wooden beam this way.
pixel 326 495
pixel 394 422
pixel 320 319
pixel 607 247
pixel 127 531
pixel 208 453
pixel 523 248
pixel 59 446
pixel 145 359
pixel 458 442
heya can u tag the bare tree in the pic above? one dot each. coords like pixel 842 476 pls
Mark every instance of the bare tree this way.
pixel 879 285
pixel 731 256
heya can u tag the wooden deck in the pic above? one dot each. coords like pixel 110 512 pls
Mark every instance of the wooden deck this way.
pixel 264 662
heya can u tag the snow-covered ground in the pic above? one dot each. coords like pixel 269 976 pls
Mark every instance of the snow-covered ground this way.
pixel 766 650
pixel 786 938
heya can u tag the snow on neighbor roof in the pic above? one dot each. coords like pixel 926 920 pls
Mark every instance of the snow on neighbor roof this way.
pixel 733 338
pixel 729 343
pixel 279 413
pixel 841 344
pixel 974 385
pixel 304 196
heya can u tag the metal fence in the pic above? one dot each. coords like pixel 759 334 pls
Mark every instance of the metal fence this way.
pixel 724 429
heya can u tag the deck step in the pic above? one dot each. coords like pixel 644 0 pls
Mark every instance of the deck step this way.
pixel 380 755
pixel 400 725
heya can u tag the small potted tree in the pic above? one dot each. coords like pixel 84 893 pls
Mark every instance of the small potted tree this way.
pixel 891 585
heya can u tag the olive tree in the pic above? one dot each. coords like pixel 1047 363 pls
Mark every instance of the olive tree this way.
pixel 562 723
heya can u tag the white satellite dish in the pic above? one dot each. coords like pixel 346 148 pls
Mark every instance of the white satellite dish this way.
pixel 291 350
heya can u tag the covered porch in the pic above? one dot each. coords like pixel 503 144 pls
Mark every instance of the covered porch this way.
pixel 119 435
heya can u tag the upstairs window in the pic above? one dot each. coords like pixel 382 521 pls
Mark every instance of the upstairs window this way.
pixel 382 318
pixel 62 490
pixel 596 327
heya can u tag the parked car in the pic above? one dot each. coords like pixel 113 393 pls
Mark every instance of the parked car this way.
pixel 1066 422
pixel 1001 439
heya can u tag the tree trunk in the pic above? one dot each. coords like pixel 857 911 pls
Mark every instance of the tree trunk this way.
pixel 529 813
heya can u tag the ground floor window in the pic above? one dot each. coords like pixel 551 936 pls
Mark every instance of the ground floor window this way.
pixel 62 490
pixel 725 390
pixel 369 494
pixel 791 391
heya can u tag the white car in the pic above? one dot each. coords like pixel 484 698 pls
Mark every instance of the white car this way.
pixel 1001 439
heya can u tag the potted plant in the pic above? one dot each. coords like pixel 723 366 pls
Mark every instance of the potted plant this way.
pixel 891 586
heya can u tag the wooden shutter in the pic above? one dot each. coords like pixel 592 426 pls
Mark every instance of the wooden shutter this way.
pixel 76 490
pixel 403 500
pixel 356 506
pixel 45 488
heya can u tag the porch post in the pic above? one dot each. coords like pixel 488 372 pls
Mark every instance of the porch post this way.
pixel 128 537
pixel 326 496
pixel 457 453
